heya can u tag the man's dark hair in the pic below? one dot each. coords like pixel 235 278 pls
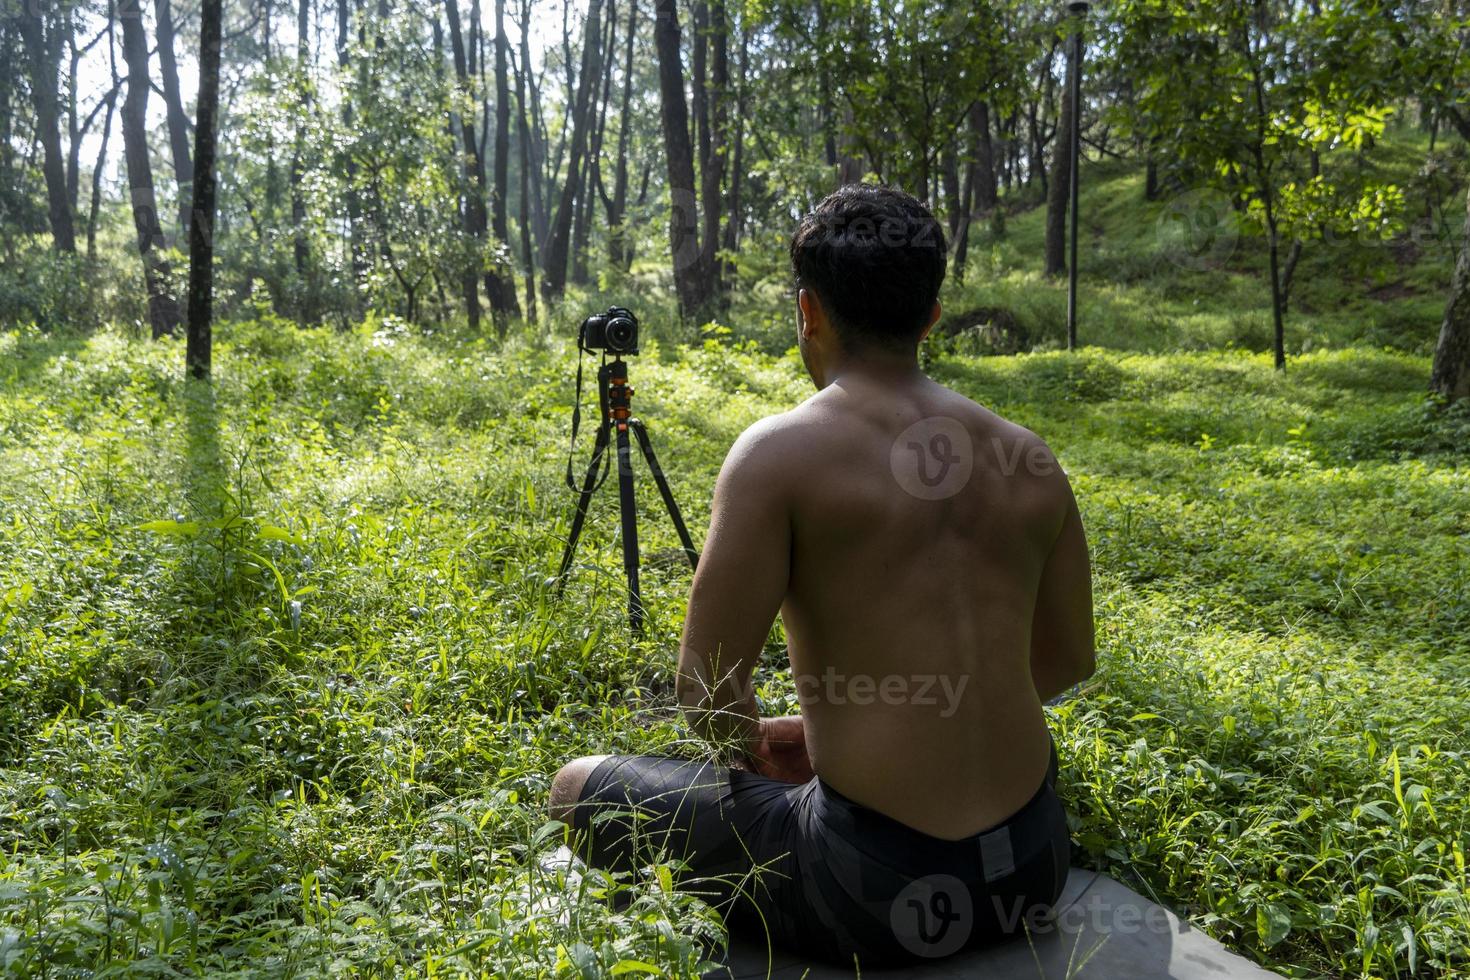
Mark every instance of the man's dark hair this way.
pixel 875 258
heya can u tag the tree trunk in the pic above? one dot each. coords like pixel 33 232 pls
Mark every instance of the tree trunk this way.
pixel 1450 375
pixel 163 310
pixel 824 89
pixel 97 181
pixel 732 218
pixel 528 253
pixel 178 126
pixel 472 209
pixel 698 81
pixel 592 171
pixel 1059 186
pixel 499 223
pixel 354 206
pixel 43 94
pixel 712 173
pixel 679 154
pixel 201 228
pixel 619 251
pixel 1293 256
pixel 74 138
pixel 1268 200
pixel 554 267
pixel 536 149
pixel 949 179
pixel 985 194
pixel 301 245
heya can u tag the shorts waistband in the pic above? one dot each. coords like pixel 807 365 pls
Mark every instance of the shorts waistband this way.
pixel 990 854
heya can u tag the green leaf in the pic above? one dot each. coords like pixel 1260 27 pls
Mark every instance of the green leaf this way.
pixel 1273 923
pixel 181 529
pixel 634 966
pixel 269 532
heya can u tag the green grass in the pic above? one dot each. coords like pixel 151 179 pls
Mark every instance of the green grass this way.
pixel 306 722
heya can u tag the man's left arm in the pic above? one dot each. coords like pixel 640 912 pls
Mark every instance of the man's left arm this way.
pixel 737 592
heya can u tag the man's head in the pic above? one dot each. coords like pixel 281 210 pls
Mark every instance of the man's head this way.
pixel 868 261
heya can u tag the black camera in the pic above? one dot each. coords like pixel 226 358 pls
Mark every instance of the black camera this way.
pixel 615 331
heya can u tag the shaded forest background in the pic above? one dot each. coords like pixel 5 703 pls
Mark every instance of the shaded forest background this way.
pixel 444 162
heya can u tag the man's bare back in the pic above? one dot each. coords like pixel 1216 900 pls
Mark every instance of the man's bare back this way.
pixel 909 618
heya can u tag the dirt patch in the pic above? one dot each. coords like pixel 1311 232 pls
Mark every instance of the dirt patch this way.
pixel 1390 291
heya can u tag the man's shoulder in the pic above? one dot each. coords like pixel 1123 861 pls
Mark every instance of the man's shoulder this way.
pixel 767 447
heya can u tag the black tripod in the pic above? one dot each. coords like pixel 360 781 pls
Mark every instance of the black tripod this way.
pixel 615 397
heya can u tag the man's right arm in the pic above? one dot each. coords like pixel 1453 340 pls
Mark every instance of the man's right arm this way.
pixel 1062 636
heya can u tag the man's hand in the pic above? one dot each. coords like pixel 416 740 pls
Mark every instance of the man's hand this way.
pixel 781 753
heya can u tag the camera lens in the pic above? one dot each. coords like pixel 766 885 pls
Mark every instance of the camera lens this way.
pixel 621 333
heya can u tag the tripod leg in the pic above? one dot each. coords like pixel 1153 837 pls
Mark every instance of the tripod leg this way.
pixel 628 514
pixel 670 503
pixel 584 497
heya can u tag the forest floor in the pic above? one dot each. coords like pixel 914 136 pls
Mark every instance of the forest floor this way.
pixel 285 684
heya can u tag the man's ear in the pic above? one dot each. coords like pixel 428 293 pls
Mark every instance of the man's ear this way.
pixel 933 319
pixel 813 317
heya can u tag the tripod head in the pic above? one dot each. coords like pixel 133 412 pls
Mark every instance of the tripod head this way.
pixel 614 393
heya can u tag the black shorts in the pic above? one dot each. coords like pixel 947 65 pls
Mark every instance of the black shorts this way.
pixel 818 872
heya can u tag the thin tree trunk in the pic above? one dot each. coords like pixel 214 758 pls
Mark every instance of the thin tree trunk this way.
pixel 824 89
pixel 178 125
pixel 737 167
pixel 43 94
pixel 592 171
pixel 198 353
pixel 985 195
pixel 74 140
pixel 500 190
pixel 554 267
pixel 301 244
pixel 1450 375
pixel 961 242
pixel 1268 200
pixel 679 154
pixel 619 249
pixel 163 309
pixel 699 82
pixel 949 178
pixel 472 205
pixel 97 181
pixel 528 253
pixel 712 175
pixel 1059 187
pixel 354 206
pixel 536 150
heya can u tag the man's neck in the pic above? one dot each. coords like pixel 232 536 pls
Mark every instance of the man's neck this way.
pixel 874 366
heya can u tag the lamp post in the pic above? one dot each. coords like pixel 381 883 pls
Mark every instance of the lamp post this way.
pixel 1076 10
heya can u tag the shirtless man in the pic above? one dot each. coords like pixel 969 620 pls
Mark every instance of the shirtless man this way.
pixel 929 565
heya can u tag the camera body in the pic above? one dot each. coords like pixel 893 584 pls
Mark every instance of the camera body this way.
pixel 615 331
